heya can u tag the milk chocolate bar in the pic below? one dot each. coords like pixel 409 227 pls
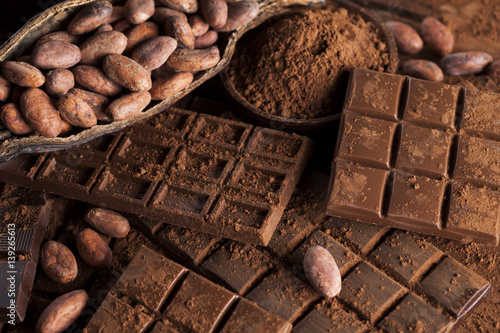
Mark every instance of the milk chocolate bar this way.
pixel 392 280
pixel 420 156
pixel 155 294
pixel 197 171
pixel 24 216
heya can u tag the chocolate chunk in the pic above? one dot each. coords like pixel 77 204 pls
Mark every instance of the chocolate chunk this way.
pixel 209 174
pixel 411 151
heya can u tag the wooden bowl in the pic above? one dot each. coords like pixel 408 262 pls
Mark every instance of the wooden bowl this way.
pixel 249 111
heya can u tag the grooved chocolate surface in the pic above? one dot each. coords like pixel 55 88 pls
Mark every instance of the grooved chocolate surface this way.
pixel 392 280
pixel 175 299
pixel 24 216
pixel 197 171
pixel 420 156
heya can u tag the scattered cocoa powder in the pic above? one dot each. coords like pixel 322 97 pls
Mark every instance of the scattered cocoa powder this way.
pixel 296 66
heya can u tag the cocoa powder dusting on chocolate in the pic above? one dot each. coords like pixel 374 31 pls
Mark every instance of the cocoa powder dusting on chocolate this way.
pixel 291 68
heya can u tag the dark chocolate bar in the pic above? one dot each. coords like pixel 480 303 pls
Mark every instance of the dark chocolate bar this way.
pixel 420 156
pixel 201 172
pixel 392 280
pixel 24 216
pixel 158 295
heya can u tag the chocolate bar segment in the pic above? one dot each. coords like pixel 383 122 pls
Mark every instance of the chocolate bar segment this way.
pixel 155 294
pixel 420 156
pixel 383 273
pixel 24 216
pixel 205 173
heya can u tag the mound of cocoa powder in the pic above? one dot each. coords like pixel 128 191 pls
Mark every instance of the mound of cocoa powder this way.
pixel 296 66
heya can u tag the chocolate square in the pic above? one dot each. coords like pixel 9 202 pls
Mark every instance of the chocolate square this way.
pixel 424 151
pixel 417 200
pixel 367 140
pixel 454 287
pixel 374 94
pixel 356 190
pixel 481 116
pixel 369 290
pixel 470 204
pixel 478 161
pixel 431 104
pixel 199 304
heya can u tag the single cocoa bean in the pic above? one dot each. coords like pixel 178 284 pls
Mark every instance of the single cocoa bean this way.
pixel 108 222
pixel 97 102
pixel 90 17
pixel 437 36
pixel 13 119
pixel 214 12
pixel 239 14
pixel 116 14
pixel 154 53
pixel 185 6
pixel 127 73
pixel 184 60
pixel 129 105
pixel 103 28
pixel 322 271
pixel 40 113
pixel 181 31
pixel 138 11
pixel 198 25
pixel 59 81
pixel 4 89
pixel 166 86
pixel 493 69
pixel 162 14
pixel 76 111
pixel 97 47
pixel 407 39
pixel 56 54
pixel 140 34
pixel 423 69
pixel 22 74
pixel 94 79
pixel 122 26
pixel 463 63
pixel 92 248
pixel 66 128
pixel 58 262
pixel 62 312
pixel 207 40
pixel 62 36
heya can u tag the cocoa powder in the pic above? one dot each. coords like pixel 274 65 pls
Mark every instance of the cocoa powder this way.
pixel 296 65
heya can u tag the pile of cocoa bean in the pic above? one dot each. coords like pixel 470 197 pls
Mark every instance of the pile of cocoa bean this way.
pixel 440 41
pixel 60 265
pixel 112 61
